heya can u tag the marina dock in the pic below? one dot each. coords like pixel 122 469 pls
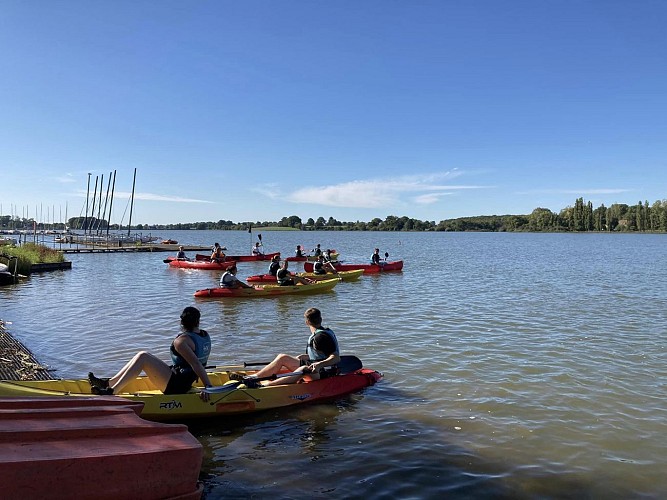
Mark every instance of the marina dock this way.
pixel 145 247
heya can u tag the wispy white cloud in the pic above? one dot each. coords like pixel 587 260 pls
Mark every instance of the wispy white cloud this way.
pixel 151 197
pixel 374 193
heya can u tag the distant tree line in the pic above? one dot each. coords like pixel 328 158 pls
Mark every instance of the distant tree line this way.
pixel 581 217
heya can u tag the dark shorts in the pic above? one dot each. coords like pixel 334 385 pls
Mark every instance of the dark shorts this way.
pixel 181 380
pixel 287 282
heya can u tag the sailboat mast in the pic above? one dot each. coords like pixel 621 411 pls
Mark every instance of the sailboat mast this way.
pixel 113 188
pixel 134 179
pixel 85 219
pixel 92 210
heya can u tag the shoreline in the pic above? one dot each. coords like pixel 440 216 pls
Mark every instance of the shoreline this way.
pixel 16 360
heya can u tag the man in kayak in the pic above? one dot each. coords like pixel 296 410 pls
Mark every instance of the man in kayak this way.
pixel 229 279
pixel 189 353
pixel 285 278
pixel 299 252
pixel 275 265
pixel 375 258
pixel 321 266
pixel 317 251
pixel 320 360
pixel 217 255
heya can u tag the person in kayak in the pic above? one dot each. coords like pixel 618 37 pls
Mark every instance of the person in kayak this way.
pixel 320 360
pixel 285 278
pixel 181 254
pixel 257 249
pixel 217 255
pixel 229 279
pixel 375 258
pixel 317 251
pixel 299 252
pixel 275 265
pixel 189 353
pixel 321 266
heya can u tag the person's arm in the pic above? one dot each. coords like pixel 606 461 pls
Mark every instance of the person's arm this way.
pixel 186 348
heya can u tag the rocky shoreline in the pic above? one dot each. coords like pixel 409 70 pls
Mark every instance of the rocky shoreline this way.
pixel 16 361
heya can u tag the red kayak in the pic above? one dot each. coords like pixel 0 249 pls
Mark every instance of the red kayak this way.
pixel 241 258
pixel 396 265
pixel 201 264
pixel 311 258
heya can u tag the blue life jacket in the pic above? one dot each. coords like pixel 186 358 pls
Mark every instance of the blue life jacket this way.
pixel 202 349
pixel 314 354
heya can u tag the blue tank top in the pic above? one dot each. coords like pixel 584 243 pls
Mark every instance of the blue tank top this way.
pixel 202 349
pixel 314 354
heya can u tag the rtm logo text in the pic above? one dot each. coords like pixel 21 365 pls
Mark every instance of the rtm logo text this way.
pixel 170 405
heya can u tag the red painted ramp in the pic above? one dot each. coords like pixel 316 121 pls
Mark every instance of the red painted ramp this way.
pixel 93 448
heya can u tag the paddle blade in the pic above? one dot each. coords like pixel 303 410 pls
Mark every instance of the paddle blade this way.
pixel 222 388
pixel 349 364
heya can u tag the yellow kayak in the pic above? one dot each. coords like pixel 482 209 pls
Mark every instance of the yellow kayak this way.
pixel 343 275
pixel 269 290
pixel 226 397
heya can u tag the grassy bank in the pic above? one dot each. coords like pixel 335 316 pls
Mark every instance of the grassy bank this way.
pixel 29 254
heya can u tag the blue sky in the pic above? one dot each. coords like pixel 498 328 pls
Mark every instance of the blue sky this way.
pixel 257 110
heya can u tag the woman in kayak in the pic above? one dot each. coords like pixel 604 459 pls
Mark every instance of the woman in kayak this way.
pixel 189 353
pixel 229 279
pixel 320 360
pixel 299 252
pixel 217 255
pixel 181 254
pixel 257 249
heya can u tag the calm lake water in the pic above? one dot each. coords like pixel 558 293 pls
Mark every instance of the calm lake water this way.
pixel 516 365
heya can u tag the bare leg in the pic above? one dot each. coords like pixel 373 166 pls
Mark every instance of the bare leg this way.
pixel 281 361
pixel 293 379
pixel 157 370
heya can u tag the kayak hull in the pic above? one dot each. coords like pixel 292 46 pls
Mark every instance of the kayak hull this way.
pixel 344 275
pixel 235 401
pixel 268 290
pixel 201 264
pixel 396 265
pixel 241 258
pixel 311 258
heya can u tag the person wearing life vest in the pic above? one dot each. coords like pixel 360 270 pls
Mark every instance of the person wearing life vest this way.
pixel 217 255
pixel 257 249
pixel 181 254
pixel 229 279
pixel 285 278
pixel 318 266
pixel 375 258
pixel 275 265
pixel 189 352
pixel 319 361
